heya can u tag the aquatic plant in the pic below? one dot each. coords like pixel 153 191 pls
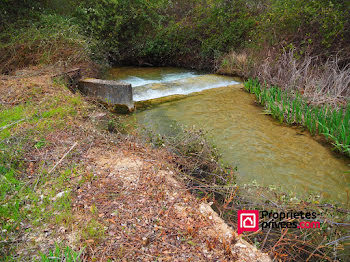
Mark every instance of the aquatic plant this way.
pixel 330 121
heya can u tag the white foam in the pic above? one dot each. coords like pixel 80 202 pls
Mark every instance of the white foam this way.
pixel 138 81
pixel 181 87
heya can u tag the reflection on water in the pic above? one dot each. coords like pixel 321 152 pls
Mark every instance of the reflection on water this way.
pixel 261 148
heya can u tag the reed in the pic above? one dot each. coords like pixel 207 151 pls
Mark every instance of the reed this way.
pixel 330 121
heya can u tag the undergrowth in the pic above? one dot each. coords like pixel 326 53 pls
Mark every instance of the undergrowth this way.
pixel 293 108
pixel 330 242
pixel 194 155
pixel 49 39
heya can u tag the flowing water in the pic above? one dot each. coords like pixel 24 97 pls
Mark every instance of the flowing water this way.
pixel 264 150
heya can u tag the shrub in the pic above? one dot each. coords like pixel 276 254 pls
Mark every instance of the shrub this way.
pixel 117 25
pixel 316 26
pixel 160 32
pixel 51 39
pixel 196 158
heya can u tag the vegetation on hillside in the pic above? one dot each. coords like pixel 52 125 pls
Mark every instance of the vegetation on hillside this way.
pixel 50 39
pixel 243 37
pixel 186 33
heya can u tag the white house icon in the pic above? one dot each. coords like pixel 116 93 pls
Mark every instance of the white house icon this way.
pixel 248 220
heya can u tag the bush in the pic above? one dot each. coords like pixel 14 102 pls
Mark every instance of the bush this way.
pixel 315 27
pixel 194 156
pixel 163 33
pixel 48 40
pixel 117 25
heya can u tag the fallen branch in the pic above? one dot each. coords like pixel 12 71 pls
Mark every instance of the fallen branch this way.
pixel 59 162
pixel 7 126
pixel 337 240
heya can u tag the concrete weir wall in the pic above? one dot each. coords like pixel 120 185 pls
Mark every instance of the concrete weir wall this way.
pixel 111 92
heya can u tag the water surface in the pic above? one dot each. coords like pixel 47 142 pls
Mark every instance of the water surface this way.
pixel 261 148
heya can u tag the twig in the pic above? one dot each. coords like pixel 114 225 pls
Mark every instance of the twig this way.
pixel 337 240
pixel 10 241
pixel 313 252
pixel 37 181
pixel 264 242
pixel 4 127
pixel 282 236
pixel 271 201
pixel 59 162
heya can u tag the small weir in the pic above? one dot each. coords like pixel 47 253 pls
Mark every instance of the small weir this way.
pixel 264 150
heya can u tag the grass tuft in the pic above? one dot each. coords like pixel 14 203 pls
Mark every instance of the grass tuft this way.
pixel 61 254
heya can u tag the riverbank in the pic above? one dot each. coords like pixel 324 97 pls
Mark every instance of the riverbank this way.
pixel 74 179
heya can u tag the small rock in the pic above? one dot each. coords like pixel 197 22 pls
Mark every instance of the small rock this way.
pixel 59 195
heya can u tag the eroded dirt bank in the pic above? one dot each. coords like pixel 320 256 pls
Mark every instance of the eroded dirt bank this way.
pixel 149 214
pixel 85 182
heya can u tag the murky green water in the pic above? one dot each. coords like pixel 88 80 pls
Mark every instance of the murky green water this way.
pixel 261 148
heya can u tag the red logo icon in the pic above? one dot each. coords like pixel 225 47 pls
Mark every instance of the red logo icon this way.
pixel 248 220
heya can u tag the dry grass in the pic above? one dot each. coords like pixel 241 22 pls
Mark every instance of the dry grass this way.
pixel 51 40
pixel 237 64
pixel 321 82
pixel 24 55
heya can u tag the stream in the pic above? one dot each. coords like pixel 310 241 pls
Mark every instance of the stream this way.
pixel 264 151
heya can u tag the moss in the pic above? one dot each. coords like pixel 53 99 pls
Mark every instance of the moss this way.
pixel 121 109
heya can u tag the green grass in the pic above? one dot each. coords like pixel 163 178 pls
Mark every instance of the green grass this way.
pixel 61 254
pixel 93 230
pixel 333 123
pixel 23 202
pixel 28 197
